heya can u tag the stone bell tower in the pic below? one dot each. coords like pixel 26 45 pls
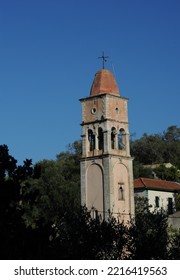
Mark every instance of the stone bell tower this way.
pixel 106 164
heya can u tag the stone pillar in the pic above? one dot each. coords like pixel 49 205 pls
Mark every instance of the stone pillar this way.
pixel 127 144
pixel 84 148
pixel 83 181
pixel 105 135
pixel 96 139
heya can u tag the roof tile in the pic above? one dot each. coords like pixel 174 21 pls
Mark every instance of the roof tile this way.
pixel 104 82
pixel 156 184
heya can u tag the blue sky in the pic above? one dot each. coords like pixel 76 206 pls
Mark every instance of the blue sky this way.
pixel 48 59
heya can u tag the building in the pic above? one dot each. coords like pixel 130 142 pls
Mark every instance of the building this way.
pixel 106 164
pixel 156 165
pixel 160 193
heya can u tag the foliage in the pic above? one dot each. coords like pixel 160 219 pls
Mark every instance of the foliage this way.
pixel 172 134
pixel 41 217
pixel 79 236
pixel 157 149
pixel 177 202
pixel 151 237
pixel 174 246
pixel 169 174
pixel 140 171
pixel 148 149
pixel 141 205
pixel 11 225
pixel 55 190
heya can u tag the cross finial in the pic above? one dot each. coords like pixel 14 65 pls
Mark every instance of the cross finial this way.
pixel 103 58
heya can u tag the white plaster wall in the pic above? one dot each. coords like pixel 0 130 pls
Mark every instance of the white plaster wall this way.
pixel 163 198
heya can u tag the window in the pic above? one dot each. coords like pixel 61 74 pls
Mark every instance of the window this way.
pixel 100 139
pixel 157 201
pixel 120 191
pixel 170 205
pixel 93 111
pixel 91 138
pixel 113 135
pixel 121 139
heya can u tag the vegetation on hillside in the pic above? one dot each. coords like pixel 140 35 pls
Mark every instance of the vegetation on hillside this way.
pixel 157 149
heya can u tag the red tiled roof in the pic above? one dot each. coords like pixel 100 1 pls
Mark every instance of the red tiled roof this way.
pixel 156 184
pixel 104 82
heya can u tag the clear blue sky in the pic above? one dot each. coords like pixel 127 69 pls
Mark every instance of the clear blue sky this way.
pixel 48 59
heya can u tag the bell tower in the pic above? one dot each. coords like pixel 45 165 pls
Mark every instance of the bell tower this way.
pixel 106 164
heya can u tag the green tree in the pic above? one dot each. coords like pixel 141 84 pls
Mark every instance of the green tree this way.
pixel 172 134
pixel 177 202
pixel 174 247
pixel 158 148
pixel 150 232
pixel 140 171
pixel 11 225
pixel 171 138
pixel 55 188
pixel 169 174
pixel 79 236
pixel 148 149
pixel 41 217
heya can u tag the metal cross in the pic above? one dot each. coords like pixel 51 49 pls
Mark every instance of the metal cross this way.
pixel 103 58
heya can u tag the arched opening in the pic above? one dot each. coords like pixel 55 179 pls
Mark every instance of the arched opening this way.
pixel 95 188
pixel 100 139
pixel 121 139
pixel 91 138
pixel 113 137
pixel 120 191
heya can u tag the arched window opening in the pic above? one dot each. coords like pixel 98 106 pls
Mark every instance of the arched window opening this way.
pixel 121 139
pixel 91 138
pixel 100 139
pixel 113 135
pixel 120 191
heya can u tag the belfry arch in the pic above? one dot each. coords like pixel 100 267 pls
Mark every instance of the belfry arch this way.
pixel 100 139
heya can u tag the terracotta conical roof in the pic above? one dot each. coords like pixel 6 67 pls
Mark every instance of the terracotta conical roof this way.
pixel 104 82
